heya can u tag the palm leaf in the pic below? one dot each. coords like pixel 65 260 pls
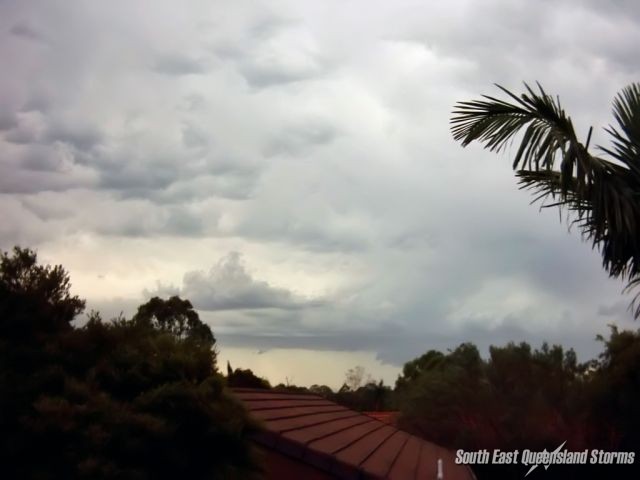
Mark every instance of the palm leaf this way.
pixel 602 197
pixel 626 138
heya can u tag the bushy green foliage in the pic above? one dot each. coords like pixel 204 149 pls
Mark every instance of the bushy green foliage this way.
pixel 134 399
pixel 245 378
pixel 34 299
pixel 616 389
pixel 371 397
pixel 445 395
pixel 518 398
pixel 525 398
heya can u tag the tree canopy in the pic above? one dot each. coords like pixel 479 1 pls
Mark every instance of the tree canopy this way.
pixel 521 397
pixel 135 399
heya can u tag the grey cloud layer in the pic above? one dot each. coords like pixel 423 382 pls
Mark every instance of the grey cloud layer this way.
pixel 319 129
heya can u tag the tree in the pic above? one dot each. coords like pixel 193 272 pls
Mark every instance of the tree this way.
pixel 122 399
pixel 321 390
pixel 521 397
pixel 602 195
pixel 34 299
pixel 413 368
pixel 616 389
pixel 447 401
pixel 176 316
pixel 354 378
pixel 245 378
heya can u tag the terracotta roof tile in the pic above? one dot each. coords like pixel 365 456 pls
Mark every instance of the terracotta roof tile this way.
pixel 406 464
pixel 380 464
pixel 326 429
pixel 306 421
pixel 334 443
pixel 342 442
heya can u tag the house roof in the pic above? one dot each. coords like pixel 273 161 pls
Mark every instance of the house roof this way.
pixel 386 417
pixel 343 442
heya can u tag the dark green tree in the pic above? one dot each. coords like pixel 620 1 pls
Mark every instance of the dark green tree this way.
pixel 414 368
pixel 616 390
pixel 321 390
pixel 175 316
pixel 448 400
pixel 245 378
pixel 520 397
pixel 131 399
pixel 603 195
pixel 34 299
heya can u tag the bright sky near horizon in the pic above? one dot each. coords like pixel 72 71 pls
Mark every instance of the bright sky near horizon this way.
pixel 288 167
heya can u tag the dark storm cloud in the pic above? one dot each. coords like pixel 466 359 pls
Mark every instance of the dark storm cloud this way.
pixel 26 31
pixel 303 232
pixel 176 224
pixel 179 65
pixel 175 180
pixel 396 346
pixel 37 101
pixel 142 220
pixel 41 160
pixel 227 186
pixel 137 180
pixel 621 9
pixel 194 137
pixel 8 120
pixel 296 139
pixel 614 310
pixel 21 135
pixel 262 75
pixel 80 136
pixel 44 176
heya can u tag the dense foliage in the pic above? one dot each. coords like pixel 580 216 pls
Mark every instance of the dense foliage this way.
pixel 245 378
pixel 359 392
pixel 134 399
pixel 523 398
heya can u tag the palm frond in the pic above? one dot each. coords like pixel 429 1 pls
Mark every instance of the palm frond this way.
pixel 635 303
pixel 603 197
pixel 606 213
pixel 548 133
pixel 626 138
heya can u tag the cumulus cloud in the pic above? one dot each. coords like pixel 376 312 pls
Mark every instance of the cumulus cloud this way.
pixel 229 286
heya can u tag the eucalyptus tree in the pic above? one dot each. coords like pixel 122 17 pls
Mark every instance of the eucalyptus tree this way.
pixel 600 189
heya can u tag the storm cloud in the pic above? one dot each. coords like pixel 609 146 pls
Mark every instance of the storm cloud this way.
pixel 141 143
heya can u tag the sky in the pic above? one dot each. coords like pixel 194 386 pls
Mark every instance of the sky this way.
pixel 288 167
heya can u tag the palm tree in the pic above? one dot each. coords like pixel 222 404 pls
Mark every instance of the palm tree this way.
pixel 602 195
